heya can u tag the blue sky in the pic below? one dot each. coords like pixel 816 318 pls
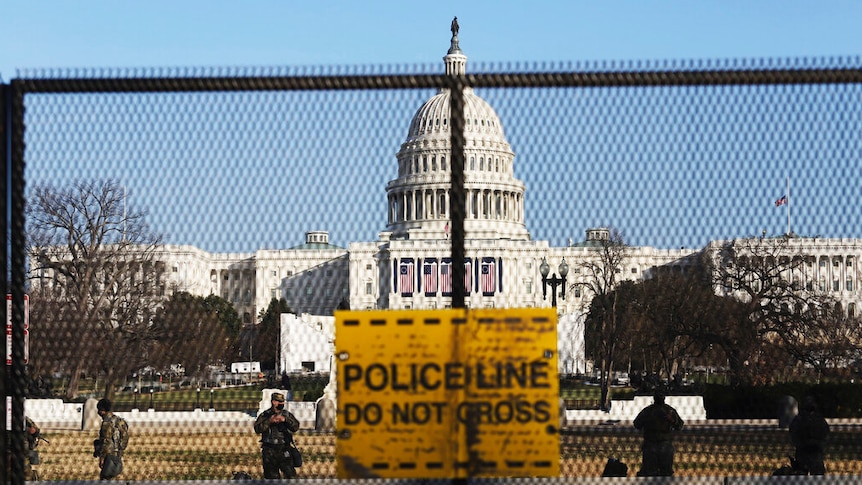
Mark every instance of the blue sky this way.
pixel 238 172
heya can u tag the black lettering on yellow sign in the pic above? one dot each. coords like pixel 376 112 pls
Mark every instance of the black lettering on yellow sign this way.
pixel 473 412
pixel 451 376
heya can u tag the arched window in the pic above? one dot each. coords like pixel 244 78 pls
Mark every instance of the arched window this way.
pixel 434 163
pixel 443 163
pixel 424 163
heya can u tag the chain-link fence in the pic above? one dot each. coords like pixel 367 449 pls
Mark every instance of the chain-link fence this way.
pixel 187 237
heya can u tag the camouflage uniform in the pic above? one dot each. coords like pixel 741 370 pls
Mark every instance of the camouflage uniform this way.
pixel 808 432
pixel 276 439
pixel 658 421
pixel 109 453
pixel 32 433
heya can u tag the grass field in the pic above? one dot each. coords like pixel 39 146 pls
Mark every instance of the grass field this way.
pixel 583 452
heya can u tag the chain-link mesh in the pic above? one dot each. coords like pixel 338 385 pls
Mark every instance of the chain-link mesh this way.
pixel 190 234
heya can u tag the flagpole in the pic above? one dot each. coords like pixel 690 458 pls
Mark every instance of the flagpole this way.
pixel 788 206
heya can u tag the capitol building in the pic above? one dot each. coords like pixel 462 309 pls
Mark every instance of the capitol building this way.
pixel 409 266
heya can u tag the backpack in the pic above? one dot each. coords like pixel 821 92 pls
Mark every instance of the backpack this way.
pixel 121 433
pixel 615 468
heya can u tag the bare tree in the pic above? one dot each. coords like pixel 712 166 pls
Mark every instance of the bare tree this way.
pixel 826 339
pixel 606 331
pixel 774 302
pixel 93 258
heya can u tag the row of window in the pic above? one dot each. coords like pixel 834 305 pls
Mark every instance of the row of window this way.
pixel 417 165
pixel 424 123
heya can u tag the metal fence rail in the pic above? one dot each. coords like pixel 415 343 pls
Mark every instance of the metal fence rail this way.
pixel 15 96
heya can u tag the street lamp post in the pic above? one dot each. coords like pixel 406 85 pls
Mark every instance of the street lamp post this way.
pixel 198 400
pixel 136 398
pixel 553 281
pixel 212 408
pixel 151 398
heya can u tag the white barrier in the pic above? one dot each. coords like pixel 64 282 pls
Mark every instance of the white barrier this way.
pixel 55 414
pixel 690 408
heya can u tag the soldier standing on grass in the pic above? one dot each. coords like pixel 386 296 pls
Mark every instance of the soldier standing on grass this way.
pixel 658 421
pixel 109 446
pixel 808 432
pixel 276 426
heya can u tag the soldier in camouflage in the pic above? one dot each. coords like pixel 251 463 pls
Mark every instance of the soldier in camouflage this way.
pixel 808 432
pixel 107 449
pixel 658 421
pixel 276 426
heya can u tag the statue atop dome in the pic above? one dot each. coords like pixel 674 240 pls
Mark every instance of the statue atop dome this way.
pixel 454 48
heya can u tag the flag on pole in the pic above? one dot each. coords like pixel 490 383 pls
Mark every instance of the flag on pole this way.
pixel 429 276
pixel 406 277
pixel 446 276
pixel 489 273
pixel 781 201
pixel 468 276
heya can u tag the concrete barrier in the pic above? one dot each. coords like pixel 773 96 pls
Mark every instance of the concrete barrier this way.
pixel 690 409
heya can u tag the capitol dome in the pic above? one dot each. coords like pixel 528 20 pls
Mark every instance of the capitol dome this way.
pixel 419 198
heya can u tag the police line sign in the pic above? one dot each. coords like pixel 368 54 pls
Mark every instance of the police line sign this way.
pixel 9 329
pixel 447 393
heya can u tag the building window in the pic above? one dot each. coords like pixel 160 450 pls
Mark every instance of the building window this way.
pixel 273 293
pixel 274 273
pixel 369 289
pixel 851 310
pixel 634 271
pixel 835 263
pixel 848 285
pixel 368 266
pixel 175 269
pixel 226 277
pixel 528 287
pixel 577 292
pixel 835 286
pixel 289 272
pixel 309 366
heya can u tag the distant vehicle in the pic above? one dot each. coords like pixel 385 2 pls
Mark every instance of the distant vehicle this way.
pixel 245 367
pixel 622 379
